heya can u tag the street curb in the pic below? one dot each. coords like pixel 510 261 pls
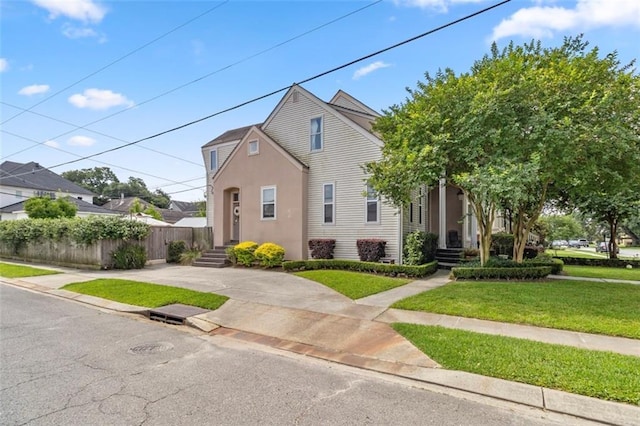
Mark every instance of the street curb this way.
pixel 607 412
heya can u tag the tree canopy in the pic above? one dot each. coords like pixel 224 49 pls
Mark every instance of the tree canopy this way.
pixel 102 181
pixel 512 132
pixel 46 208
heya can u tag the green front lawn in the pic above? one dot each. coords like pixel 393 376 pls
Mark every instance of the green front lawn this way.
pixel 603 375
pixel 584 306
pixel 146 294
pixel 602 272
pixel 575 253
pixel 353 284
pixel 9 270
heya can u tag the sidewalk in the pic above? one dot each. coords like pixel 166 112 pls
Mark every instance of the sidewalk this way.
pixel 298 315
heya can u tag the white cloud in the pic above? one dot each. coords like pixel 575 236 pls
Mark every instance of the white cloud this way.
pixel 81 141
pixel 52 144
pixel 34 89
pixel 544 21
pixel 361 72
pixel 439 5
pixel 70 31
pixel 4 65
pixel 99 99
pixel 80 10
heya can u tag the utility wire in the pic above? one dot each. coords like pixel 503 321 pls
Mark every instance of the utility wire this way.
pixel 87 129
pixel 322 74
pixel 219 70
pixel 172 182
pixel 136 50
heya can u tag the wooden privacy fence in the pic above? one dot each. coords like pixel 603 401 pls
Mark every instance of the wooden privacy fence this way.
pixel 98 255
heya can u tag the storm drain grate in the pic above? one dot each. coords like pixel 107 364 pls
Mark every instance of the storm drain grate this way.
pixel 150 348
pixel 175 314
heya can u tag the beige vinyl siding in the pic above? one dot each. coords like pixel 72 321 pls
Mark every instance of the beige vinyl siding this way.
pixel 345 102
pixel 409 226
pixel 363 122
pixel 344 151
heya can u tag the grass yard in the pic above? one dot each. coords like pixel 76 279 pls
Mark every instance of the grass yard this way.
pixel 9 270
pixel 602 272
pixel 146 294
pixel 575 253
pixel 591 307
pixel 354 285
pixel 603 375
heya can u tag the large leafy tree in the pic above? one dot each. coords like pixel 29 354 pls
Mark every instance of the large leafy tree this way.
pixel 510 132
pixel 46 208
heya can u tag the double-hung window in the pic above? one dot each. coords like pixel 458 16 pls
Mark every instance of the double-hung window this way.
pixel 373 206
pixel 214 160
pixel 315 132
pixel 268 202
pixel 329 203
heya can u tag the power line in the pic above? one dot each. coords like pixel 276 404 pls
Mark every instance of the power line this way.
pixel 171 182
pixel 322 74
pixel 99 70
pixel 89 130
pixel 226 67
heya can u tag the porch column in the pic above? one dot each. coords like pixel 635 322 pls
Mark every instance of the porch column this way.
pixel 466 222
pixel 442 214
pixel 474 229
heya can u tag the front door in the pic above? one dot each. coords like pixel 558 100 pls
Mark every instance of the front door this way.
pixel 235 214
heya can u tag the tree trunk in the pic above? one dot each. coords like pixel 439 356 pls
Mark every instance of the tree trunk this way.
pixel 485 217
pixel 613 246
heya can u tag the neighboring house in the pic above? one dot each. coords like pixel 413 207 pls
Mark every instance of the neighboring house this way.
pixel 298 176
pixel 17 211
pixel 19 182
pixel 123 206
pixel 187 207
pixel 191 222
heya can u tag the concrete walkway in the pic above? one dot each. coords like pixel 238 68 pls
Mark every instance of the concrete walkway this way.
pixel 298 315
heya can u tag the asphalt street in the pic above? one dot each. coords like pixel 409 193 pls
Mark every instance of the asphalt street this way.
pixel 64 363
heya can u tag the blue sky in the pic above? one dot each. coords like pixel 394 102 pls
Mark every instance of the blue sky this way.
pixel 128 54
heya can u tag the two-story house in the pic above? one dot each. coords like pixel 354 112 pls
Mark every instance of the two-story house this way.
pixel 298 176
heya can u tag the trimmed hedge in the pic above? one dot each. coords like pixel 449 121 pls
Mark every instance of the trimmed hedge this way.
pixel 612 263
pixel 371 250
pixel 522 273
pixel 370 267
pixel 322 248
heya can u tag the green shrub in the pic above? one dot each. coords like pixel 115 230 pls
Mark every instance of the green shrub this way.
pixel 542 260
pixel 129 256
pixel 189 256
pixel 371 267
pixel 501 273
pixel 269 255
pixel 231 255
pixel 175 250
pixel 413 251
pixel 245 252
pixel 502 243
pixel 611 263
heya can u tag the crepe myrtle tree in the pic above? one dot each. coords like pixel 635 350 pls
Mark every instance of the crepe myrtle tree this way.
pixel 510 133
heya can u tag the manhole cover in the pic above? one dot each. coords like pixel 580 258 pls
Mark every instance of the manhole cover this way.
pixel 151 348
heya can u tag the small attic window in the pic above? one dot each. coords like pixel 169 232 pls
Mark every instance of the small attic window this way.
pixel 254 148
pixel 295 97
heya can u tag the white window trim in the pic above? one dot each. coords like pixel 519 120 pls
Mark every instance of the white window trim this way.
pixel 257 151
pixel 211 168
pixel 321 117
pixel 420 205
pixel 275 202
pixel 333 203
pixel 366 208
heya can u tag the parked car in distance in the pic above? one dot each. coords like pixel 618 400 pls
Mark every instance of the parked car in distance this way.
pixel 559 244
pixel 603 247
pixel 584 242
pixel 577 243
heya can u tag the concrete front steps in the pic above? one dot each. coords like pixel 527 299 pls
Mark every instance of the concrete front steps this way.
pixel 214 258
pixel 448 258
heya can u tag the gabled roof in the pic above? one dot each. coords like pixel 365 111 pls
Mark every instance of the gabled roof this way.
pixel 327 108
pixel 82 205
pixel 33 176
pixel 123 206
pixel 361 106
pixel 286 154
pixel 185 206
pixel 231 135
